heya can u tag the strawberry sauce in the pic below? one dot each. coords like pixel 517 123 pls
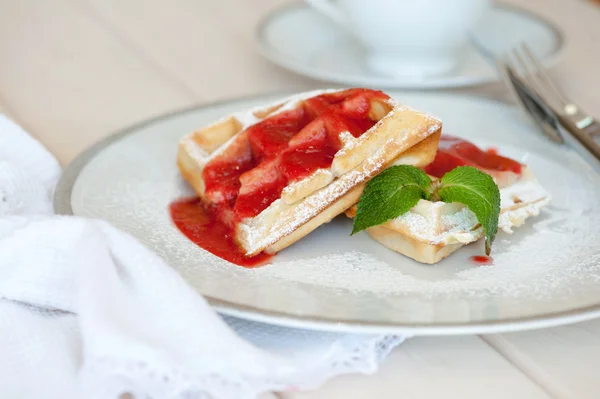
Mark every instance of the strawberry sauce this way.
pixel 453 152
pixel 250 174
pixel 284 148
pixel 482 260
pixel 203 228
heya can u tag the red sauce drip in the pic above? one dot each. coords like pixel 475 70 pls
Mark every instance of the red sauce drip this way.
pixel 204 228
pixel 453 152
pixel 482 260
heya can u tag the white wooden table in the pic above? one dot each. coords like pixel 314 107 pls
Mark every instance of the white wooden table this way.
pixel 73 71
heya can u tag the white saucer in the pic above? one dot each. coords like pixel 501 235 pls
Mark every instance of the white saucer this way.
pixel 299 38
pixel 546 273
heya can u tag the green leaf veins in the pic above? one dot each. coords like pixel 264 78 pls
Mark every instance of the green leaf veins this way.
pixel 478 191
pixel 390 194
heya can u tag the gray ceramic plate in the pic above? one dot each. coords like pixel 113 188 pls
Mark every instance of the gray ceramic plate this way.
pixel 546 273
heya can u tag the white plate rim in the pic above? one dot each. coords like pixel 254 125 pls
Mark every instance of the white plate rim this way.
pixel 274 56
pixel 62 206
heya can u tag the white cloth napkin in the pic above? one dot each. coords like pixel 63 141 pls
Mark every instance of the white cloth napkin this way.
pixel 87 311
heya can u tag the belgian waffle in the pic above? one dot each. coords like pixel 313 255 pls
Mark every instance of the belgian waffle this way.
pixel 431 231
pixel 395 134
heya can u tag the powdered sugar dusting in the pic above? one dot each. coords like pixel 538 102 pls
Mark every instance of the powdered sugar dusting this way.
pixel 550 264
pixel 194 150
pixel 463 220
pixel 280 219
pixel 398 107
pixel 262 231
pixel 546 258
pixel 528 266
pixel 418 225
pixel 458 224
pixel 258 233
pixel 462 226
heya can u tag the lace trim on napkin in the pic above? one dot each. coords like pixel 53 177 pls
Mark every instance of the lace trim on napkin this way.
pixel 126 378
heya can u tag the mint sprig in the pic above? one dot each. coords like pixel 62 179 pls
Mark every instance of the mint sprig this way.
pixel 396 190
pixel 479 193
pixel 390 194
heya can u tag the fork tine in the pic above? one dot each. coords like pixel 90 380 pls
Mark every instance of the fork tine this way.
pixel 506 70
pixel 536 112
pixel 511 73
pixel 528 75
pixel 503 66
pixel 541 73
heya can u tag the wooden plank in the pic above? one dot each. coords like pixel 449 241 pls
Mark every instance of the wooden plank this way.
pixel 11 114
pixel 207 45
pixel 434 367
pixel 70 81
pixel 5 110
pixel 565 360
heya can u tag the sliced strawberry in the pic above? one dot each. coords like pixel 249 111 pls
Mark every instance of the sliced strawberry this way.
pixel 221 175
pixel 357 106
pixel 315 106
pixel 299 162
pixel 287 146
pixel 315 134
pixel 264 173
pixel 222 182
pixel 259 188
pixel 338 123
pixel 269 137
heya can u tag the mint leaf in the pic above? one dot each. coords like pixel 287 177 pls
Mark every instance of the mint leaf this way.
pixel 390 194
pixel 479 193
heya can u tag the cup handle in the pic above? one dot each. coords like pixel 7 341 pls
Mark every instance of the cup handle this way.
pixel 325 7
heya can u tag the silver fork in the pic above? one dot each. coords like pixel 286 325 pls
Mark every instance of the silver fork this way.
pixel 546 87
pixel 554 113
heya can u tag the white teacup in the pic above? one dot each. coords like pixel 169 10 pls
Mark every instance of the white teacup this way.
pixel 408 37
